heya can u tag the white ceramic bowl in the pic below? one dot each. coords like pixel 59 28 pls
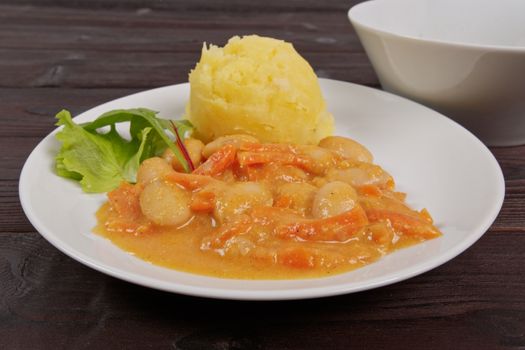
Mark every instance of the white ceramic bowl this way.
pixel 465 58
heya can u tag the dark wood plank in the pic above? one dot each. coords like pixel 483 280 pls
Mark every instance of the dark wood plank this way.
pixel 172 37
pixel 96 69
pixel 102 49
pixel 165 32
pixel 29 113
pixel 197 5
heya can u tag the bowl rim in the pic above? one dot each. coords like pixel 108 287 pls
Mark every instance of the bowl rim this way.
pixel 464 45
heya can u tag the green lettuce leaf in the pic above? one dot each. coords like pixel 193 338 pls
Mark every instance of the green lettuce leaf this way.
pixel 99 159
pixel 141 118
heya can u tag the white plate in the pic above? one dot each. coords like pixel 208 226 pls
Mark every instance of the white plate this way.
pixel 442 166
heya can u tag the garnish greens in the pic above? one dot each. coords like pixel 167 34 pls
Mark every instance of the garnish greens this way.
pixel 97 156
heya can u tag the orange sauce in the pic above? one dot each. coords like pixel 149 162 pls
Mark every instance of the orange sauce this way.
pixel 179 249
pixel 247 222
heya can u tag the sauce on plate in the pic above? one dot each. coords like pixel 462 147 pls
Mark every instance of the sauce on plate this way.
pixel 263 211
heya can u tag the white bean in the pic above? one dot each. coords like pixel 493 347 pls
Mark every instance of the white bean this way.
pixel 279 174
pixel 320 158
pixel 361 175
pixel 240 197
pixel 334 198
pixel 165 204
pixel 347 148
pixel 152 169
pixel 300 195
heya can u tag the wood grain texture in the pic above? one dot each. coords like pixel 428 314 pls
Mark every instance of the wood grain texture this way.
pixel 77 54
pixel 101 48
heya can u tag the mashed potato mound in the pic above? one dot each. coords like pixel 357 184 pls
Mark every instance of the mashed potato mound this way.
pixel 257 86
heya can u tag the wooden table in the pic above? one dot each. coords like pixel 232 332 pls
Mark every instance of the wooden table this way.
pixel 72 54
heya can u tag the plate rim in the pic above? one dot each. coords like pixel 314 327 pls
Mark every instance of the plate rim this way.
pixel 261 294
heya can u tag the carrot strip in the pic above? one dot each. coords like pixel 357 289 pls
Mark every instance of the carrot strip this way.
pixel 409 225
pixel 218 239
pixel 246 158
pixel 336 228
pixel 283 202
pixel 125 200
pixel 267 147
pixel 189 181
pixel 370 190
pixel 203 201
pixel 218 161
pixel 296 257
